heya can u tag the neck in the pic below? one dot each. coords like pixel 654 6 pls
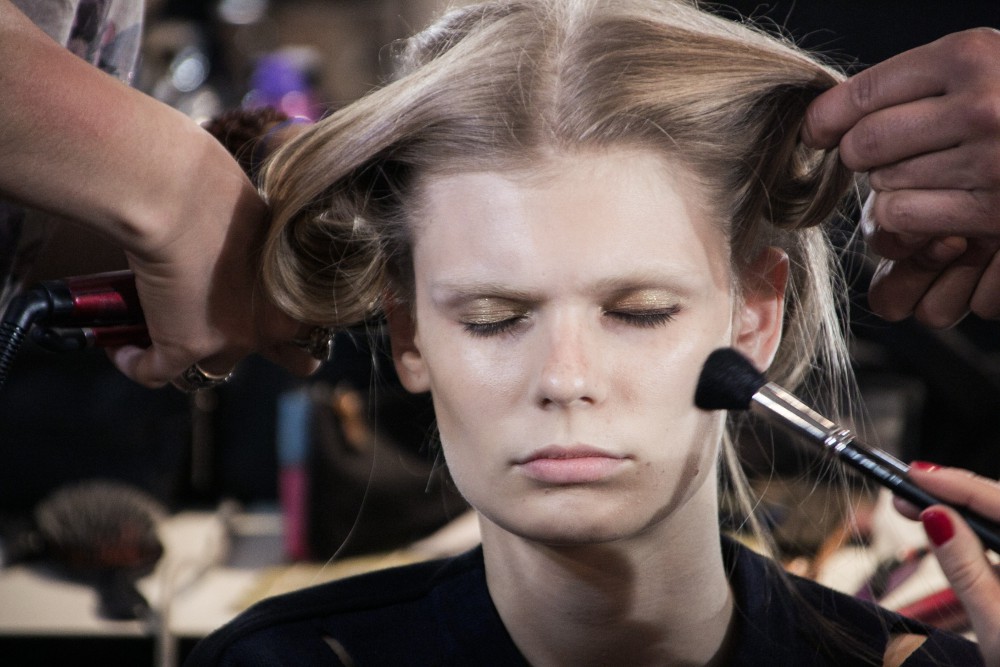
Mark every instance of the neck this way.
pixel 659 598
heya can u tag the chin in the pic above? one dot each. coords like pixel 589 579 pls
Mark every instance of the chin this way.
pixel 572 523
pixel 564 536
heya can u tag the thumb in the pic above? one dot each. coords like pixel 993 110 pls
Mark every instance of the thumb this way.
pixel 144 365
pixel 970 573
pixel 156 366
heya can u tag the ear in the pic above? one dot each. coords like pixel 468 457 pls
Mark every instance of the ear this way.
pixel 406 356
pixel 760 316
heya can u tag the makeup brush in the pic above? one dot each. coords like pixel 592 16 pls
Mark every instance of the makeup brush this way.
pixel 730 382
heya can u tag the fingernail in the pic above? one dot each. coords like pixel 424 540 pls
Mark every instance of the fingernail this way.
pixel 938 526
pixel 925 466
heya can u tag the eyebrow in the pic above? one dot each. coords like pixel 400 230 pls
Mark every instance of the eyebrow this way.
pixel 673 282
pixel 453 293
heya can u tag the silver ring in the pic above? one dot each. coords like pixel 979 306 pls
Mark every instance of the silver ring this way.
pixel 195 378
pixel 319 343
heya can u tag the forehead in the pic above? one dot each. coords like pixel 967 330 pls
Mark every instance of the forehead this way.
pixel 593 213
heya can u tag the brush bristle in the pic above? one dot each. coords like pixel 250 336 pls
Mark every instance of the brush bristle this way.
pixel 728 381
pixel 101 525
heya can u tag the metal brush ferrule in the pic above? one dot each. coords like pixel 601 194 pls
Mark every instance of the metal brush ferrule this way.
pixel 776 404
pixel 779 406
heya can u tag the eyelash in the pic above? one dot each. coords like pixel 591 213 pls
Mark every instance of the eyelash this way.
pixel 488 329
pixel 645 319
pixel 641 319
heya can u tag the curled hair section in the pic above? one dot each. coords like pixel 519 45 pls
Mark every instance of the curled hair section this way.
pixel 500 85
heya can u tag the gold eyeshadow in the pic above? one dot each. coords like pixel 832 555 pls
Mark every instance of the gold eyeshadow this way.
pixel 646 299
pixel 485 310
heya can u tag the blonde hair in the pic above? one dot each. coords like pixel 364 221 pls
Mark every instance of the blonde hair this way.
pixel 496 85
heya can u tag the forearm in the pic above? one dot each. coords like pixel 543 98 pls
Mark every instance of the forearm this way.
pixel 78 143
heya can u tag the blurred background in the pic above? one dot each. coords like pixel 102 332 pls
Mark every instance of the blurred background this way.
pixel 303 57
pixel 304 450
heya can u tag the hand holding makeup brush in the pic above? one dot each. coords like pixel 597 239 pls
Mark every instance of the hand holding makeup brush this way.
pixel 957 548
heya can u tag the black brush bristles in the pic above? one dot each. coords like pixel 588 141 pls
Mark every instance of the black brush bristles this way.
pixel 728 381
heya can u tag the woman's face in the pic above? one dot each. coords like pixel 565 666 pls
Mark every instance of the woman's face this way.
pixel 561 320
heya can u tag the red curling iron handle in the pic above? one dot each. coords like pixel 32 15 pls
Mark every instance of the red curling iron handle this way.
pixel 97 310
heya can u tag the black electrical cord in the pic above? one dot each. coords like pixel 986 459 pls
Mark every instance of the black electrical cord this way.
pixel 100 309
pixel 23 311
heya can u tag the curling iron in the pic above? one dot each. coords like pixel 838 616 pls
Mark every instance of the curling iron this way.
pixel 99 310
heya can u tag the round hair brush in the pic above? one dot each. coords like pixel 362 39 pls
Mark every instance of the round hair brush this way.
pixel 103 533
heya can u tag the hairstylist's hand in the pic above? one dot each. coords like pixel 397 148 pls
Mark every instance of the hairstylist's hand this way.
pixel 925 125
pixel 77 143
pixel 958 549
pixel 196 274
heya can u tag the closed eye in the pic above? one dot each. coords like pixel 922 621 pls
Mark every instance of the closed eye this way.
pixel 644 318
pixel 494 328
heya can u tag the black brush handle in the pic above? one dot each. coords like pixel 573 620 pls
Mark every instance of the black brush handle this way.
pixel 784 409
pixel 859 457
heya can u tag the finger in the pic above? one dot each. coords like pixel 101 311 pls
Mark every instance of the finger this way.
pixel 930 284
pixel 940 252
pixel 969 213
pixel 959 487
pixel 906 508
pixel 147 366
pixel 952 485
pixel 985 303
pixel 889 245
pixel 276 333
pixel 898 286
pixel 886 136
pixel 126 360
pixel 153 367
pixel 948 299
pixel 963 167
pixel 932 254
pixel 929 252
pixel 901 79
pixel 970 573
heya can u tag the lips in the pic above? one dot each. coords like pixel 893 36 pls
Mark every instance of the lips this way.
pixel 577 464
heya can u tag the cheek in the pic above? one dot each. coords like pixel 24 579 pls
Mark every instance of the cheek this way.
pixel 465 371
pixel 662 390
pixel 669 373
pixel 470 390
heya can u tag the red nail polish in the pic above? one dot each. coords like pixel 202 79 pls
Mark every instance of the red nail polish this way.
pixel 925 466
pixel 938 526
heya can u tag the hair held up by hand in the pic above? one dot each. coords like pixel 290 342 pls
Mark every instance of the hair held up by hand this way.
pixel 498 85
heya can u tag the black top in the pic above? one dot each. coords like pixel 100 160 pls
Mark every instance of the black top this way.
pixel 440 613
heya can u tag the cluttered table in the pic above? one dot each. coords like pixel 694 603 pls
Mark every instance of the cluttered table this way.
pixel 214 565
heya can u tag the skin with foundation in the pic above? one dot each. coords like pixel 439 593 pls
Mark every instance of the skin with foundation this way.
pixel 562 313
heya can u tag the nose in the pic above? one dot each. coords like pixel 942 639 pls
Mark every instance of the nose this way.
pixel 571 368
